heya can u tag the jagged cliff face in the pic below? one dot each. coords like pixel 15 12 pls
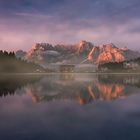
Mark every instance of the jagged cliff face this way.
pixel 106 53
pixel 84 47
pixel 110 53
pixel 86 52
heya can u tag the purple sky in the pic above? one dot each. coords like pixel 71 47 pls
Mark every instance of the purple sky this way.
pixel 24 22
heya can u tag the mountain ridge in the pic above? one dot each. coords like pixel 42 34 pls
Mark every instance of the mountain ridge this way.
pixel 45 53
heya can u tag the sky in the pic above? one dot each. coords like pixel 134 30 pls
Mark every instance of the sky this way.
pixel 25 22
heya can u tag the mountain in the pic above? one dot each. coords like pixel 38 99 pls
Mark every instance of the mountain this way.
pixel 84 47
pixel 83 52
pixel 111 53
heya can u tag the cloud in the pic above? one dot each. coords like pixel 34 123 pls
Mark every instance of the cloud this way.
pixel 24 22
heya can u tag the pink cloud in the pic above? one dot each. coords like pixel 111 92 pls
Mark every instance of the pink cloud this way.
pixel 22 32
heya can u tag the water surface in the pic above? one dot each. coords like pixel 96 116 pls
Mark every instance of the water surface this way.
pixel 70 106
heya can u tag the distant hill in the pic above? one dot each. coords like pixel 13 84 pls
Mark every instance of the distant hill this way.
pixel 82 52
pixel 9 63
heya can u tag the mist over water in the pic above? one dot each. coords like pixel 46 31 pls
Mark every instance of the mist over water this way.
pixel 70 106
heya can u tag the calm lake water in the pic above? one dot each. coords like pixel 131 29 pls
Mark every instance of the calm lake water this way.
pixel 70 107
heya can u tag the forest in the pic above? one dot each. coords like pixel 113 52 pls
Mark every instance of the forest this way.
pixel 126 66
pixel 9 63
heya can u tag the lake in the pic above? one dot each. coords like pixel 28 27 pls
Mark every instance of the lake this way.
pixel 70 107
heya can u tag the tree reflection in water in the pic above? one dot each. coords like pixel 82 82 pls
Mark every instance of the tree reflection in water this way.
pixel 10 83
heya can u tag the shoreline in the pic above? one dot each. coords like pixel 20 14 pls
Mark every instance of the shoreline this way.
pixel 59 73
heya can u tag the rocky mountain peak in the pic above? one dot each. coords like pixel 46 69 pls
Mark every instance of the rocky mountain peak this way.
pixel 46 53
pixel 84 46
pixel 42 46
pixel 110 53
pixel 124 49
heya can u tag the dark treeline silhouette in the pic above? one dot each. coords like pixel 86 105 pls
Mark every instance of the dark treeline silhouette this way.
pixel 9 84
pixel 112 66
pixel 119 66
pixel 137 60
pixel 9 63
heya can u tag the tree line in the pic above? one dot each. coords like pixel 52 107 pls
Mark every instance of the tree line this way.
pixel 9 63
pixel 117 66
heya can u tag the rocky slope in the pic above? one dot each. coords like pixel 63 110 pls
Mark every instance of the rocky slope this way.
pixel 110 53
pixel 83 52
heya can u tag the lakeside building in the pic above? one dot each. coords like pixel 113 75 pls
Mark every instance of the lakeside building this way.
pixel 131 65
pixel 85 68
pixel 71 68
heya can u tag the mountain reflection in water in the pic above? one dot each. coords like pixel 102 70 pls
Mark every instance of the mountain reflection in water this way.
pixel 70 107
pixel 83 89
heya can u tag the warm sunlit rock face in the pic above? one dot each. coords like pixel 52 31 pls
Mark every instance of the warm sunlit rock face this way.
pixel 107 53
pixel 84 47
pixel 45 53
